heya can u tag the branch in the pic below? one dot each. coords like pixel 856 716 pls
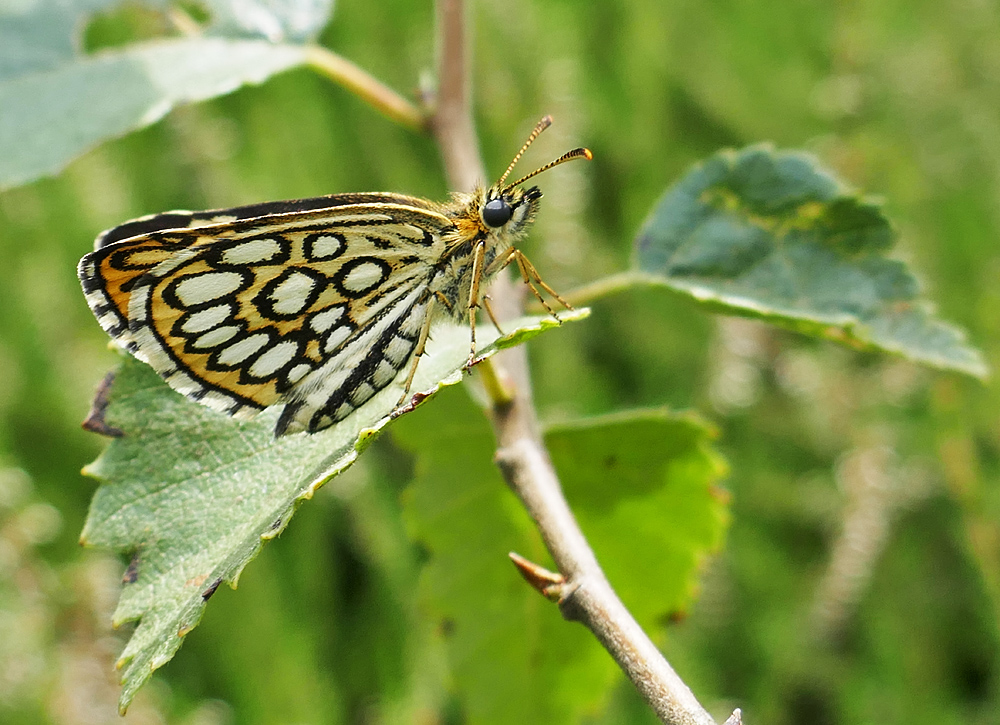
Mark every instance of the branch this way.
pixel 451 122
pixel 584 592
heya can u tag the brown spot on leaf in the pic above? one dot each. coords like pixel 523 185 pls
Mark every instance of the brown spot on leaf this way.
pixel 415 400
pixel 131 574
pixel 207 594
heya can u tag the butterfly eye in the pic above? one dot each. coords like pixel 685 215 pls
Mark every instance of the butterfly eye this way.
pixel 497 212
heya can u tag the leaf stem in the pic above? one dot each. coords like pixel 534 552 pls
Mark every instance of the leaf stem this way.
pixel 605 286
pixel 497 391
pixel 367 87
pixel 521 453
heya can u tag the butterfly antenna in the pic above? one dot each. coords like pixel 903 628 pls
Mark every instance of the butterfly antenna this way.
pixel 539 127
pixel 580 153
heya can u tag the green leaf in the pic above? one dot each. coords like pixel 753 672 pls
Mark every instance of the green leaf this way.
pixel 56 103
pixel 651 521
pixel 643 486
pixel 771 235
pixel 191 494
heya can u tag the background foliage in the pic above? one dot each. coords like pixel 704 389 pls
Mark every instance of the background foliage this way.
pixel 859 582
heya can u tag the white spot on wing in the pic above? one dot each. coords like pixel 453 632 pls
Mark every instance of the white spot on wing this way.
pixel 198 289
pixel 323 321
pixel 298 372
pixel 398 350
pixel 137 304
pixel 216 337
pixel 207 319
pixel 326 245
pixel 217 401
pixel 242 349
pixel 411 325
pixel 292 295
pixel 363 277
pixel 335 338
pixel 253 252
pixel 274 359
pixel 362 393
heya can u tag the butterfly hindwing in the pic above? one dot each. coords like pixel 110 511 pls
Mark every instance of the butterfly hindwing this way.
pixel 109 274
pixel 318 309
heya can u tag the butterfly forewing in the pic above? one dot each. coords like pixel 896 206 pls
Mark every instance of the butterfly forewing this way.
pixel 319 309
pixel 252 213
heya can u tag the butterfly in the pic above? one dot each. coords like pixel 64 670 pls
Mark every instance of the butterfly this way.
pixel 316 304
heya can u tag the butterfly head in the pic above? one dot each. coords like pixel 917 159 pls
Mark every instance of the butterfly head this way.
pixel 508 212
pixel 507 208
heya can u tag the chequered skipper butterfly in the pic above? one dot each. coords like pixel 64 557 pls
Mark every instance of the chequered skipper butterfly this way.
pixel 316 303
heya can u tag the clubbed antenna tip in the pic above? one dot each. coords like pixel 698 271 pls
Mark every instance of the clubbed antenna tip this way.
pixel 580 153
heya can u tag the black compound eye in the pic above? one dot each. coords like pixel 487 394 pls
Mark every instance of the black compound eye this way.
pixel 497 212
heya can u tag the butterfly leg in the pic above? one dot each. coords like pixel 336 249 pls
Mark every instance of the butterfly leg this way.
pixel 489 311
pixel 529 273
pixel 531 277
pixel 418 351
pixel 444 300
pixel 477 272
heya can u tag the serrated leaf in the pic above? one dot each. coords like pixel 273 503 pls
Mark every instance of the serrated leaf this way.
pixel 512 655
pixel 191 494
pixel 56 103
pixel 772 235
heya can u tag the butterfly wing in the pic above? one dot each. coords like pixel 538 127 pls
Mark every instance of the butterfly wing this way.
pixel 318 309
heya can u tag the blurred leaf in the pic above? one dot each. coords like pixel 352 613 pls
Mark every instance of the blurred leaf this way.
pixel 40 36
pixel 771 235
pixel 641 484
pixel 191 494
pixel 56 103
pixel 277 20
pixel 513 657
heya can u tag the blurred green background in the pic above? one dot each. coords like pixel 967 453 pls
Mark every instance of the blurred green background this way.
pixel 860 582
